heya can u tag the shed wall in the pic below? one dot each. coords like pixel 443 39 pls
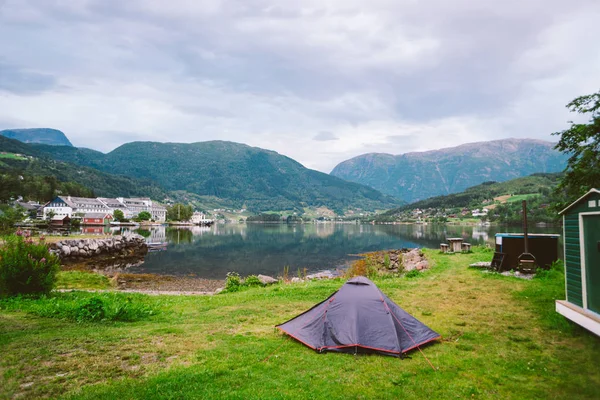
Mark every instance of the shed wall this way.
pixel 573 248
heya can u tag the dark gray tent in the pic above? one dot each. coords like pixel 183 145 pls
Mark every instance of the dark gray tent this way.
pixel 359 318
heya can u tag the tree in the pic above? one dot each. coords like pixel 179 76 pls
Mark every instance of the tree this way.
pixel 582 142
pixel 179 212
pixel 144 216
pixel 50 214
pixel 118 215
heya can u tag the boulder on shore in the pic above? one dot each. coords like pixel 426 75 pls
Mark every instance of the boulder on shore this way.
pixel 266 280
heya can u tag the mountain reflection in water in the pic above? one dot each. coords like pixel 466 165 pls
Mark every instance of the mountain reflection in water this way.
pixel 267 249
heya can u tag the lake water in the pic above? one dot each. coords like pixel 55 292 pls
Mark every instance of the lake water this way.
pixel 267 249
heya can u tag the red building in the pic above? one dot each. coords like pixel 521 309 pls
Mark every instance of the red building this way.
pixel 97 219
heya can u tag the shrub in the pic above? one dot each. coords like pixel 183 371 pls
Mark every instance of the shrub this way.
pixel 26 267
pixel 233 282
pixel 252 280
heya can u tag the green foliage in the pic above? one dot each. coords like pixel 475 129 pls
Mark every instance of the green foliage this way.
pixel 119 216
pixel 44 175
pixel 233 282
pixel 83 307
pixel 582 143
pixel 386 260
pixel 264 217
pixel 412 274
pixel 26 267
pixel 242 175
pixel 538 189
pixel 90 311
pixel 179 212
pixel 252 280
pixel 16 182
pixel 144 216
pixel 9 216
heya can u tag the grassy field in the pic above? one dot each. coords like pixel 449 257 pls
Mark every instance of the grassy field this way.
pixel 502 339
pixel 521 197
pixel 12 156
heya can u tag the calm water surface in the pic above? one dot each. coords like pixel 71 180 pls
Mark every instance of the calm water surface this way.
pixel 266 249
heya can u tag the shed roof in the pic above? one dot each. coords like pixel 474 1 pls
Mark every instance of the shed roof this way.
pixel 578 200
pixel 530 235
pixel 97 215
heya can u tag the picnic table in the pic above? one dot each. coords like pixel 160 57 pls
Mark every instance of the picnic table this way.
pixel 455 244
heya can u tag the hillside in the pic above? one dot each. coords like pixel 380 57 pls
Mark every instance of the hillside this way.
pixel 47 136
pixel 503 199
pixel 476 195
pixel 416 176
pixel 247 177
pixel 39 177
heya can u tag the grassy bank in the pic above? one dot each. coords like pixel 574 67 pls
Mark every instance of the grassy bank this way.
pixel 501 339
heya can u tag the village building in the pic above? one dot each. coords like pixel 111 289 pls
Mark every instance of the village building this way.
pixel 138 204
pixel 79 206
pixel 60 220
pixel 97 218
pixel 72 206
pixel 477 213
pixel 114 204
pixel 198 218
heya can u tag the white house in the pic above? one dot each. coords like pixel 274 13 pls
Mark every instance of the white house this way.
pixel 477 213
pixel 131 207
pixel 68 206
pixel 138 204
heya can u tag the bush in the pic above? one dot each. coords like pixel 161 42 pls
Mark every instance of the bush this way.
pixel 26 267
pixel 252 280
pixel 233 282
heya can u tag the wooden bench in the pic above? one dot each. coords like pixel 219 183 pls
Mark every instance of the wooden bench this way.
pixel 444 247
pixel 466 247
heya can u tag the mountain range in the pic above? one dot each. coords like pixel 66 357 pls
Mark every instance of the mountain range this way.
pixel 416 176
pixel 38 135
pixel 240 175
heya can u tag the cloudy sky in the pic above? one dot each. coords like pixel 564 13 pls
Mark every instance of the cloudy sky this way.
pixel 317 80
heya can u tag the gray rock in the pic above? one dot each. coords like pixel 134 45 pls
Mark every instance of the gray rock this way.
pixel 266 280
pixel 297 280
pixel 321 275
pixel 66 250
pixel 80 245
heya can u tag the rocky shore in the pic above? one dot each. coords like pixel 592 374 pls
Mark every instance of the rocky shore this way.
pixel 125 245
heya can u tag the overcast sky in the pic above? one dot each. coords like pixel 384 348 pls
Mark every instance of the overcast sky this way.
pixel 319 81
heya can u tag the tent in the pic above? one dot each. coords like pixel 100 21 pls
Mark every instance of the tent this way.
pixel 359 318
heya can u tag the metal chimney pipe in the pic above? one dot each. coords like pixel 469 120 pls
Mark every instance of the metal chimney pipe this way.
pixel 526 241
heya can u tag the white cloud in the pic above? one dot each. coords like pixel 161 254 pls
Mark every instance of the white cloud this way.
pixel 383 76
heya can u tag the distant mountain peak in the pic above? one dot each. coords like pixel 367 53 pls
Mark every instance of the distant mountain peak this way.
pixel 419 175
pixel 48 136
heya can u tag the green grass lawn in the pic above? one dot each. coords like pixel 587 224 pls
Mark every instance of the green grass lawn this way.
pixel 502 339
pixel 12 156
pixel 521 197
